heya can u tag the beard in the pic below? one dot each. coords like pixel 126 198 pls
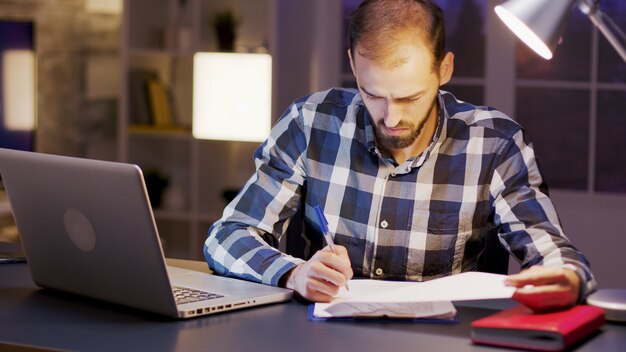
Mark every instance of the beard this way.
pixel 400 142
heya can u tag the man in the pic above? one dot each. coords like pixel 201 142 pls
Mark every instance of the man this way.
pixel 411 179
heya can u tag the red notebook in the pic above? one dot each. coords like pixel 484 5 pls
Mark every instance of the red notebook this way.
pixel 519 327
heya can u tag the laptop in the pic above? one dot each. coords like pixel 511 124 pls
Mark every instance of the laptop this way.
pixel 87 228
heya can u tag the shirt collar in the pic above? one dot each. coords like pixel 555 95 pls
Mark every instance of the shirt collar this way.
pixel 438 136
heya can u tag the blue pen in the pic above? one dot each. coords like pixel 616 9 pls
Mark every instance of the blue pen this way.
pixel 323 224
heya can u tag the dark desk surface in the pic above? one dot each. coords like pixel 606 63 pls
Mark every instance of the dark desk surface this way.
pixel 30 316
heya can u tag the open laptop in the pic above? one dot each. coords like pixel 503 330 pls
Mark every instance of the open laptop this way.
pixel 87 228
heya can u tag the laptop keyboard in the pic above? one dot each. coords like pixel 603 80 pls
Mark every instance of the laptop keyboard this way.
pixel 188 295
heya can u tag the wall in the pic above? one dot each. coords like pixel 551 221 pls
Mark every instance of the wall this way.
pixel 293 51
pixel 308 49
pixel 76 116
pixel 595 224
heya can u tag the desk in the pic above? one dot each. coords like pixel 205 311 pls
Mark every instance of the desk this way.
pixel 35 317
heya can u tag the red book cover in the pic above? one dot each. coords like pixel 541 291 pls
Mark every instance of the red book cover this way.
pixel 519 327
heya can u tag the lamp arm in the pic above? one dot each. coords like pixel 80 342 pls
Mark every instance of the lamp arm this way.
pixel 599 18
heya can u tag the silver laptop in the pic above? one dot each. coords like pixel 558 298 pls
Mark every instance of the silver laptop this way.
pixel 87 228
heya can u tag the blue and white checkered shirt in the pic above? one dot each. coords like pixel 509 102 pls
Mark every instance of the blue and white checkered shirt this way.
pixel 423 219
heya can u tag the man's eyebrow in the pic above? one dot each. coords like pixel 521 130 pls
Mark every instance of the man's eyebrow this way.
pixel 366 92
pixel 410 96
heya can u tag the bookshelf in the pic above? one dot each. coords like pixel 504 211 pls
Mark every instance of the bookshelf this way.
pixel 159 39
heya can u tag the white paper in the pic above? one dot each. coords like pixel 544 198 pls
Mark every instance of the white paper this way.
pixel 395 295
pixel 435 310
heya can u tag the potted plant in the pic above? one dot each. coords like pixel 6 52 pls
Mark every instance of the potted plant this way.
pixel 225 24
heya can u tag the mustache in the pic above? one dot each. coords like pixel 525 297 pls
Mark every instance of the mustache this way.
pixel 401 124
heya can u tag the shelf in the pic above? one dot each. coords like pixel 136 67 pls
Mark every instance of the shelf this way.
pixel 161 52
pixel 153 50
pixel 170 132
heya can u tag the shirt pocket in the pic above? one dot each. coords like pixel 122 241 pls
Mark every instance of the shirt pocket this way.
pixel 437 243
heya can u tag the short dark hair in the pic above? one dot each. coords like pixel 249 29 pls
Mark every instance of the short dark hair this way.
pixel 375 22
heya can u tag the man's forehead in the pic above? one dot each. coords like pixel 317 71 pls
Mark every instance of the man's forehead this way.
pixel 397 54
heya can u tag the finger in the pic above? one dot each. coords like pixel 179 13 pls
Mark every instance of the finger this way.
pixel 321 290
pixel 342 252
pixel 540 298
pixel 323 286
pixel 318 297
pixel 335 262
pixel 537 277
pixel 530 290
pixel 539 303
pixel 537 272
pixel 322 271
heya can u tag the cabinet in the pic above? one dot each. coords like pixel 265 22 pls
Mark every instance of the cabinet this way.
pixel 159 38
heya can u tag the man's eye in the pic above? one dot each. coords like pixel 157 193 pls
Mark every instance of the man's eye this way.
pixel 409 100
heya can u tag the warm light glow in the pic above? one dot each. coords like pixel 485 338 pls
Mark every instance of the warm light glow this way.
pixel 104 6
pixel 232 96
pixel 18 72
pixel 524 33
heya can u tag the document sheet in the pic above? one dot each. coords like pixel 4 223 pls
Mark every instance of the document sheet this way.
pixel 413 299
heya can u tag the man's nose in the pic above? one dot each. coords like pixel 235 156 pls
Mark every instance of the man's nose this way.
pixel 393 115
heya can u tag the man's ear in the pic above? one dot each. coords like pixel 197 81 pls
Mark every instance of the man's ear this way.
pixel 351 62
pixel 446 68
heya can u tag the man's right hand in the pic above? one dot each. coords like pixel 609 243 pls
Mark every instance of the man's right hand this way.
pixel 320 278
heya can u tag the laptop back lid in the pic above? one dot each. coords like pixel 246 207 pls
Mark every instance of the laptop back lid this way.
pixel 87 228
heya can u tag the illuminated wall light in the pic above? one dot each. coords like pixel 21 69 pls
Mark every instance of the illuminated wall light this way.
pixel 18 71
pixel 104 6
pixel 232 95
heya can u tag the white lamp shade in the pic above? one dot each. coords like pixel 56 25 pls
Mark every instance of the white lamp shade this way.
pixel 232 95
pixel 538 23
pixel 18 72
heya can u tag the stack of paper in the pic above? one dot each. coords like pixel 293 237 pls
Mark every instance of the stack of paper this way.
pixel 404 299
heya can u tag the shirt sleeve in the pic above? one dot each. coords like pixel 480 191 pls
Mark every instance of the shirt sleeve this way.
pixel 528 222
pixel 235 246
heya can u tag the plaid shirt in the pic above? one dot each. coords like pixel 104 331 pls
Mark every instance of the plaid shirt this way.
pixel 425 218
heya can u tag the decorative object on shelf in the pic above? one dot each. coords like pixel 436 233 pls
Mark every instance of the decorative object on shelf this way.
pixel 174 197
pixel 232 96
pixel 178 32
pixel 138 103
pixel 540 24
pixel 160 110
pixel 156 182
pixel 225 24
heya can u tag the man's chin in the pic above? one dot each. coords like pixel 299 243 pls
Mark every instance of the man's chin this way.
pixel 395 142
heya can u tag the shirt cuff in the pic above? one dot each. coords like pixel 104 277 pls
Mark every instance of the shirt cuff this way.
pixel 586 286
pixel 280 267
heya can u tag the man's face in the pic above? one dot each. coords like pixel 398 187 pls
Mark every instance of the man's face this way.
pixel 401 97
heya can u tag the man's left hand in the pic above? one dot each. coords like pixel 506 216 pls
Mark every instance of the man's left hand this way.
pixel 546 288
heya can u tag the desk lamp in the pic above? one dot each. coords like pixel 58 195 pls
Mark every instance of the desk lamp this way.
pixel 232 94
pixel 539 24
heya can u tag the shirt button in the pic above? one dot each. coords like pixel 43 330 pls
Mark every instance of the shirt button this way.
pixel 379 271
pixel 384 224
